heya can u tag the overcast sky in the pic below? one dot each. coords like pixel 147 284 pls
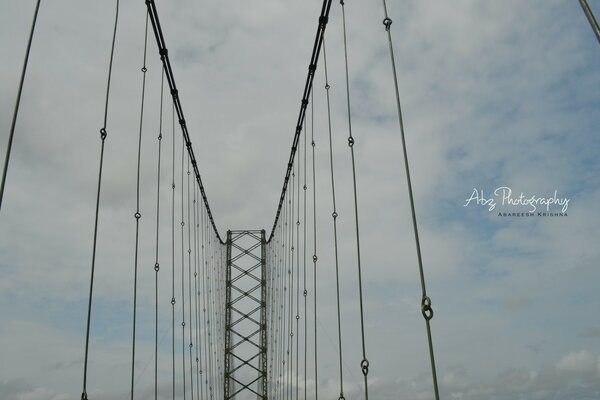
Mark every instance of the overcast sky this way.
pixel 494 94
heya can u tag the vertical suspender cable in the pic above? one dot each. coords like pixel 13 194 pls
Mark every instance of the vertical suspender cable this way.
pixel 182 273
pixel 17 103
pixel 364 363
pixel 103 134
pixel 334 215
pixel 137 214
pixel 314 258
pixel 173 301
pixel 305 292
pixel 189 251
pixel 156 264
pixel 298 281
pixel 426 308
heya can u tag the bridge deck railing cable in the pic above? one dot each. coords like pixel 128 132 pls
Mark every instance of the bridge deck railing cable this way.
pixel 164 56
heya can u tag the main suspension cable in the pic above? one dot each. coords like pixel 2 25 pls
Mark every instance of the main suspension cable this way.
pixel 323 19
pixel 164 56
pixel 364 363
pixel 17 104
pixel 103 134
pixel 426 308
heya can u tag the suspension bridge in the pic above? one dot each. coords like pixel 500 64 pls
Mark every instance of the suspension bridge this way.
pixel 240 300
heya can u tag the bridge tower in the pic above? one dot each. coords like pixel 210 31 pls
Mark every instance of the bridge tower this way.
pixel 246 316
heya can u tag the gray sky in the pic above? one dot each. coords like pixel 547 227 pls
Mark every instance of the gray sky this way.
pixel 494 94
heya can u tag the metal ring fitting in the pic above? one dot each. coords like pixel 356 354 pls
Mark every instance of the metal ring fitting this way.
pixel 297 317
pixel 364 365
pixel 144 69
pixel 160 136
pixel 156 267
pixel 183 323
pixel 137 215
pixel 313 143
pixel 350 141
pixel 173 301
pixel 387 22
pixel 102 133
pixel 334 215
pixel 315 258
pixel 426 309
pixel 327 87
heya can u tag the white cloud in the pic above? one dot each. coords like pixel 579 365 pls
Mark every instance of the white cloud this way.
pixel 576 361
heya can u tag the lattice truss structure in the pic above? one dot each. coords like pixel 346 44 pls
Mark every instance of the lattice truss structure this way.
pixel 245 316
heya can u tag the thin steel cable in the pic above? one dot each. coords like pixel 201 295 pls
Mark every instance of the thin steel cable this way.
pixel 334 216
pixel 156 263
pixel 189 251
pixel 103 134
pixel 205 326
pixel 426 309
pixel 298 281
pixel 173 301
pixel 137 214
pixel 199 386
pixel 365 362
pixel 590 16
pixel 183 270
pixel 291 292
pixel 305 292
pixel 17 103
pixel 315 258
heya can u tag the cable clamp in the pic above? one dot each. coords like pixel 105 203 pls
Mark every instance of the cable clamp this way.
pixel 387 22
pixel 426 309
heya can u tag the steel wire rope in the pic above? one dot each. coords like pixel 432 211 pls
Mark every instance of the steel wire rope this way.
pixel 189 251
pixel 305 292
pixel 364 365
pixel 298 280
pixel 183 269
pixel 173 301
pixel 206 350
pixel 156 263
pixel 291 292
pixel 18 103
pixel 315 258
pixel 199 385
pixel 164 56
pixel 426 308
pixel 334 216
pixel 103 134
pixel 137 214
pixel 591 19
pixel 323 19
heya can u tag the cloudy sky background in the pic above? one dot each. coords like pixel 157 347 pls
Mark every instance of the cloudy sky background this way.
pixel 494 94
